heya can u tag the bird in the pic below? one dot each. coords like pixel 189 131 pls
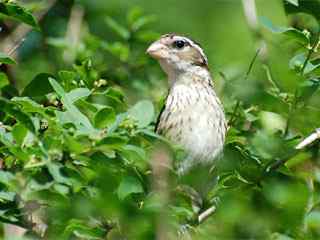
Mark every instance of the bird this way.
pixel 193 116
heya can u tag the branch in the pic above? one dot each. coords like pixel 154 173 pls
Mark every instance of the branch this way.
pixel 310 139
pixel 207 213
pixel 73 33
pixel 160 164
pixel 17 36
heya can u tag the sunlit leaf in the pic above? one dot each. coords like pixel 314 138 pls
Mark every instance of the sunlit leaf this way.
pixel 104 117
pixel 78 93
pixel 143 112
pixel 4 81
pixel 129 185
pixel 298 61
pixel 313 219
pixel 288 31
pixel 72 111
pixel 4 58
pixel 18 13
pixel 116 27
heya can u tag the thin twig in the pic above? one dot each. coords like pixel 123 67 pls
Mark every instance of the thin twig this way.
pixel 308 140
pixel 251 64
pixel 14 48
pixel 310 203
pixel 270 79
pixel 207 213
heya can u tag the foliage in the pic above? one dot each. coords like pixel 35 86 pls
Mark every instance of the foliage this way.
pixel 79 155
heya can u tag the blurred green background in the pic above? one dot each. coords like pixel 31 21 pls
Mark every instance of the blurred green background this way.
pixel 266 189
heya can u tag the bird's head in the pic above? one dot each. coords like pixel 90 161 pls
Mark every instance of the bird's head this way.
pixel 177 53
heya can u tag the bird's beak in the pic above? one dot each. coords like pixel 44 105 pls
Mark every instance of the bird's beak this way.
pixel 157 50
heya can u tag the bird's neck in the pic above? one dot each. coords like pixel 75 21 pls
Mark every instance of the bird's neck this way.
pixel 194 74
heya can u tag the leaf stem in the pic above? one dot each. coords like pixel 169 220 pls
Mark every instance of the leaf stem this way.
pixel 295 97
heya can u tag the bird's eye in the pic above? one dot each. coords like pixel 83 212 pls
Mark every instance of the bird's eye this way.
pixel 179 44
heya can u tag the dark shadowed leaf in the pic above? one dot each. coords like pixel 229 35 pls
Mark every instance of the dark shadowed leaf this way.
pixel 308 88
pixel 39 86
pixel 13 111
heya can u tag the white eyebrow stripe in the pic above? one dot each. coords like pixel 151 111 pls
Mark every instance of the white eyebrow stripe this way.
pixel 193 44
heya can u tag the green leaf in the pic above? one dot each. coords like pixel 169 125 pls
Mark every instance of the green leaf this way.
pixel 143 112
pixel 104 117
pixel 7 196
pixel 78 93
pixel 296 63
pixel 119 50
pixel 6 177
pixel 313 220
pixel 19 132
pixel 115 93
pixel 73 113
pixel 67 78
pixel 117 28
pixel 279 236
pixel 142 21
pixel 137 20
pixel 15 113
pixel 288 31
pixel 39 86
pixel 182 212
pixel 29 105
pixel 75 146
pixel 55 171
pixel 134 152
pixel 113 141
pixel 129 185
pixel 4 58
pixel 18 13
pixel 80 229
pixel 4 81
pixel 134 14
pixel 308 88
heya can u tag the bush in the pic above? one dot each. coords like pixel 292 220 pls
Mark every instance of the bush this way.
pixel 79 162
